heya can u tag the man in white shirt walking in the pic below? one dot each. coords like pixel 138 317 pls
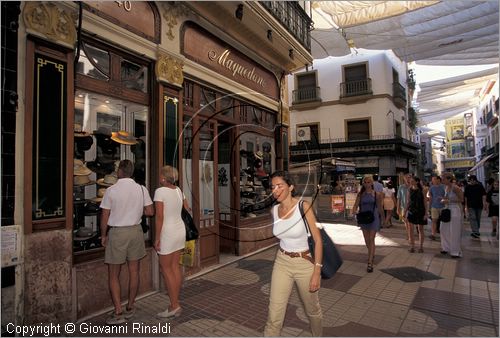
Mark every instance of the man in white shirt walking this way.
pixel 123 205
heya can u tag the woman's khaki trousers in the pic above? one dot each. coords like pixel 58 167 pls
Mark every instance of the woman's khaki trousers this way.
pixel 286 271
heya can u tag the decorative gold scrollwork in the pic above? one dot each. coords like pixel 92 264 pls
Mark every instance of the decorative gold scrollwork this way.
pixel 169 69
pixel 171 11
pixel 49 20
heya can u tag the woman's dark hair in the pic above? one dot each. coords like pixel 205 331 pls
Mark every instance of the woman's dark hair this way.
pixel 419 185
pixel 285 176
pixel 389 185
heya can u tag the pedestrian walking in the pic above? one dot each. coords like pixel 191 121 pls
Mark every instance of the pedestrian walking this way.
pixel 401 201
pixel 123 205
pixel 377 186
pixel 170 236
pixel 368 200
pixel 492 207
pixel 475 199
pixel 416 213
pixel 389 203
pixel 436 193
pixel 294 262
pixel 451 232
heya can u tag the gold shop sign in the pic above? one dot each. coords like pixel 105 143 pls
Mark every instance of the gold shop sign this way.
pixel 238 70
pixel 209 51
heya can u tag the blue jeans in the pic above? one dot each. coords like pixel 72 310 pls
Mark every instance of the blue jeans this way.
pixel 475 219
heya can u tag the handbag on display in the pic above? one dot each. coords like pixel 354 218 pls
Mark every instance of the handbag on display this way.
pixel 445 215
pixel 332 260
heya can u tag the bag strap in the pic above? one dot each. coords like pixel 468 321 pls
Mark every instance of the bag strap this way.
pixel 306 224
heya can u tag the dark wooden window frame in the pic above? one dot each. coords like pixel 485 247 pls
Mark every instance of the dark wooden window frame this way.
pixel 37 46
pixel 367 119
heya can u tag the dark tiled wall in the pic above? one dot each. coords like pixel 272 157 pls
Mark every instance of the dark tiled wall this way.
pixel 10 23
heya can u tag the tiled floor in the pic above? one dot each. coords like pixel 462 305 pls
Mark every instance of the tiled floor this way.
pixel 232 300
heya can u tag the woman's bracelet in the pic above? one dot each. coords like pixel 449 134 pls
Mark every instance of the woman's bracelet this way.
pixel 319 264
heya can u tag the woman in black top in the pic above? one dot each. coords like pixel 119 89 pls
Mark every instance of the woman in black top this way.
pixel 416 211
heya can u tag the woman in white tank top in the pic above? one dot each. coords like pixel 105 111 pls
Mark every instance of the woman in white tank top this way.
pixel 293 263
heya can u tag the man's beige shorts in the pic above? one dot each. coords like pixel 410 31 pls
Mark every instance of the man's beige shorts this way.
pixel 124 244
pixel 435 213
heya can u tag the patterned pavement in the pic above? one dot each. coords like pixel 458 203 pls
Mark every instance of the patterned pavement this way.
pixel 408 294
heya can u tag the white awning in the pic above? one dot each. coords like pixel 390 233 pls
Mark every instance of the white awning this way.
pixel 481 163
pixel 459 32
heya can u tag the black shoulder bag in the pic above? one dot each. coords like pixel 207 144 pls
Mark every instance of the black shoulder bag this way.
pixel 332 260
pixel 191 230
pixel 144 221
pixel 367 217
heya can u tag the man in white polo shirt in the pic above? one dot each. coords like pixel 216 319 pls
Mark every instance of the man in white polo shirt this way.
pixel 123 205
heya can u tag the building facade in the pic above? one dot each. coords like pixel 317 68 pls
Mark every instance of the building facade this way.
pixel 356 108
pixel 197 85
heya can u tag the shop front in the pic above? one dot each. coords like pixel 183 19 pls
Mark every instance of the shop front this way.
pixel 156 84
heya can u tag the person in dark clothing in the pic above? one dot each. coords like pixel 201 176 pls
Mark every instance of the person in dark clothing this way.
pixel 416 212
pixel 492 207
pixel 475 199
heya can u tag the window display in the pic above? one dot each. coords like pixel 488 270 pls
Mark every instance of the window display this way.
pixel 108 131
pixel 257 164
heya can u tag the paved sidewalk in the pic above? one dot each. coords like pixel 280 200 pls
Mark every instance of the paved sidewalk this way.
pixel 408 294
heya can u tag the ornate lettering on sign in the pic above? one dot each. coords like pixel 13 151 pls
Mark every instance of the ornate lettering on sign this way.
pixel 235 67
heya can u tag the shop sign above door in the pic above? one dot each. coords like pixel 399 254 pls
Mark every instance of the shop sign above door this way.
pixel 139 17
pixel 204 48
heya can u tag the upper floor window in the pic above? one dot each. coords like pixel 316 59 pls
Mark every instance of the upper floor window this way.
pixel 358 130
pixel 307 88
pixel 356 81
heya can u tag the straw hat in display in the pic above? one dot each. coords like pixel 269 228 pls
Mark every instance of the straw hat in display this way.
pixel 79 168
pixel 123 137
pixel 259 155
pixel 81 180
pixel 100 195
pixel 107 180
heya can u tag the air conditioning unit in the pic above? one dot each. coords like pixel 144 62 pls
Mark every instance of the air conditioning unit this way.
pixel 303 134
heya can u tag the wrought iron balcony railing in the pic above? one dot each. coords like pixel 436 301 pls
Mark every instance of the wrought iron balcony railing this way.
pixel 306 94
pixel 293 18
pixel 398 91
pixel 356 88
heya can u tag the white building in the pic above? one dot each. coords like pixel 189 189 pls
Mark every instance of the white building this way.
pixel 353 107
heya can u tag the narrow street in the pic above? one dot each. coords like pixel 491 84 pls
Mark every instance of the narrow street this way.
pixel 408 294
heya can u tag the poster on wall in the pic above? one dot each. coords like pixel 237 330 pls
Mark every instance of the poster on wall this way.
pixel 457 150
pixel 457 132
pixel 454 129
pixel 350 199
pixel 337 204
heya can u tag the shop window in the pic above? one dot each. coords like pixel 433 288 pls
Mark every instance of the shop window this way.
pixel 226 106
pixel 111 129
pixel 358 130
pixel 206 167
pixel 257 159
pixel 207 101
pixel 188 94
pixel 134 76
pixel 94 62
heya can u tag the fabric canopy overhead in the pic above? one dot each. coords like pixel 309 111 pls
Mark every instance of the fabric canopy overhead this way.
pixel 450 32
pixel 442 99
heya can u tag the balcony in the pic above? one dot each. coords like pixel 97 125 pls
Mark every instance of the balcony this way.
pixel 376 145
pixel 306 94
pixel 357 90
pixel 399 95
pixel 293 18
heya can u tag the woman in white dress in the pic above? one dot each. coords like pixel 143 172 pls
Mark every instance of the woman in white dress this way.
pixel 389 203
pixel 170 234
pixel 451 232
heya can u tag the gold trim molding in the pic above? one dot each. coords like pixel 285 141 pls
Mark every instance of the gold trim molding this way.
pixel 169 69
pixel 172 11
pixel 50 21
